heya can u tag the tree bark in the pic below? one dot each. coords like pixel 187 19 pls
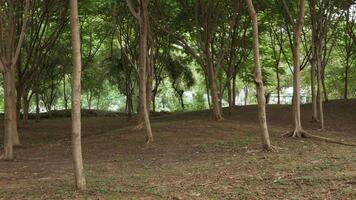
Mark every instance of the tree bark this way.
pixel 25 105
pixel 9 117
pixel 314 61
pixel 142 17
pixel 266 144
pixel 217 115
pixel 76 116
pixel 15 133
pixel 37 107
pixel 298 130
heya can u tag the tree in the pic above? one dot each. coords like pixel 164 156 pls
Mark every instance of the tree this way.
pixel 297 30
pixel 258 79
pixel 142 16
pixel 10 45
pixel 350 44
pixel 76 116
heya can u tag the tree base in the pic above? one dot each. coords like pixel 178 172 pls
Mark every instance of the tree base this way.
pixel 314 120
pixel 149 140
pixel 5 158
pixel 138 127
pixel 304 134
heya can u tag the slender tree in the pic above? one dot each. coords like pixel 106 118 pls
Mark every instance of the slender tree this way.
pixel 76 116
pixel 10 45
pixel 142 16
pixel 297 30
pixel 258 79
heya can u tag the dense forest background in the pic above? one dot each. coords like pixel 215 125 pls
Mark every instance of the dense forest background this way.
pixel 109 43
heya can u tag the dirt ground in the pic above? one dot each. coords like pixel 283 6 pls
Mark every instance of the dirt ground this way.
pixel 192 157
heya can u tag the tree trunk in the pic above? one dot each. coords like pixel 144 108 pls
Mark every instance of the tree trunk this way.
pixel 76 117
pixel 234 90
pixel 246 95
pixel 298 130
pixel 348 48
pixel 19 91
pixel 266 144
pixel 9 118
pixel 217 115
pixel 317 59
pixel 230 88
pixel 326 98
pixel 25 102
pixel 149 82
pixel 143 44
pixel 37 107
pixel 15 134
pixel 65 93
pixel 314 61
pixel 207 91
pixel 278 85
pixel 319 97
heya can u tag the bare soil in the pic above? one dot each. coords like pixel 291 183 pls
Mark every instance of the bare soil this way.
pixel 192 157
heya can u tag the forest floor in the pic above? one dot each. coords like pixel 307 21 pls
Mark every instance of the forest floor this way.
pixel 192 157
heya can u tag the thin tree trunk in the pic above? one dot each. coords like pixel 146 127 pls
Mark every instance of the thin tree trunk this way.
pixel 207 91
pixel 65 93
pixel 246 95
pixel 266 144
pixel 37 107
pixel 234 90
pixel 314 61
pixel 319 97
pixel 15 134
pixel 217 115
pixel 298 130
pixel 278 86
pixel 8 143
pixel 76 116
pixel 230 92
pixel 326 97
pixel 25 102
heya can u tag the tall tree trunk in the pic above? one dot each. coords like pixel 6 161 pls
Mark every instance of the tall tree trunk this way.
pixel 9 118
pixel 234 90
pixel 19 90
pixel 246 95
pixel 312 90
pixel 149 85
pixel 142 17
pixel 317 58
pixel 217 115
pixel 278 85
pixel 348 48
pixel 65 93
pixel 326 97
pixel 15 134
pixel 37 107
pixel 297 124
pixel 319 96
pixel 314 61
pixel 266 144
pixel 76 116
pixel 25 102
pixel 207 90
pixel 230 88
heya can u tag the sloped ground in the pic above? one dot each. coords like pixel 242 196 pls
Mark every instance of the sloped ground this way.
pixel 192 157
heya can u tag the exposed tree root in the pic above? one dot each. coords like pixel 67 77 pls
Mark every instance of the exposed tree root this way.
pixel 149 140
pixel 219 119
pixel 2 158
pixel 138 127
pixel 314 120
pixel 304 134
